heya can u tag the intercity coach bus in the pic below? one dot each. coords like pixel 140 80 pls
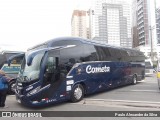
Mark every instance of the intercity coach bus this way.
pixel 13 69
pixel 68 68
pixel 149 67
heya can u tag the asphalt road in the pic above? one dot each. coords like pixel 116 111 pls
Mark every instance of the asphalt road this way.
pixel 144 96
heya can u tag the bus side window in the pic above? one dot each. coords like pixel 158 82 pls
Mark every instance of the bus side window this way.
pixel 90 53
pixel 50 66
pixel 70 56
pixel 101 53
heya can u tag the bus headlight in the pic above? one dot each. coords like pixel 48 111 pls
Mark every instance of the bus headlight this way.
pixel 32 92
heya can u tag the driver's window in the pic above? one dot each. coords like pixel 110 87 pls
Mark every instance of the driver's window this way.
pixel 51 66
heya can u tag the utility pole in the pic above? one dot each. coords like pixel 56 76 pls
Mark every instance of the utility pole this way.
pixel 151 28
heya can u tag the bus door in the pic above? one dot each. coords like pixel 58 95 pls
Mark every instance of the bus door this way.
pixel 54 76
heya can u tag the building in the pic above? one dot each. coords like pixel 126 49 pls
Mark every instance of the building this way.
pixel 158 30
pixel 112 22
pixel 143 23
pixel 135 37
pixel 80 24
pixel 158 25
pixel 144 26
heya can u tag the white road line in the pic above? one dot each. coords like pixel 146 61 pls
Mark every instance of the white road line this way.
pixel 121 103
pixel 145 90
pixel 129 101
pixel 12 95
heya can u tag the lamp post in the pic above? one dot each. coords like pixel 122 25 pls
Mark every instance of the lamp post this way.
pixel 151 28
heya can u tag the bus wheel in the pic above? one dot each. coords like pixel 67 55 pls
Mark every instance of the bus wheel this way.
pixel 77 93
pixel 134 80
pixel 11 87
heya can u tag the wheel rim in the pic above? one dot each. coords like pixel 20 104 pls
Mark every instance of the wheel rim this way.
pixel 13 86
pixel 78 93
pixel 134 80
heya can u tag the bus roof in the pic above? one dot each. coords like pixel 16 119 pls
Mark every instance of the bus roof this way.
pixel 87 41
pixel 7 51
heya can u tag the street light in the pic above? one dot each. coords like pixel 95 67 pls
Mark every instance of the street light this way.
pixel 151 28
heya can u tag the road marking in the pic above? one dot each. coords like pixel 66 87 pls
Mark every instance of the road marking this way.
pixel 131 101
pixel 12 95
pixel 121 103
pixel 144 90
pixel 143 85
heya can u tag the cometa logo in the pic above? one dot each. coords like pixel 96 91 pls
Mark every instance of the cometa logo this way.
pixel 90 69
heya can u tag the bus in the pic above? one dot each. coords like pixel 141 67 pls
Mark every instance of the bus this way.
pixel 149 67
pixel 67 68
pixel 13 69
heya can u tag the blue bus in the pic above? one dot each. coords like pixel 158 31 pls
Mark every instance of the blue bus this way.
pixel 68 68
pixel 13 69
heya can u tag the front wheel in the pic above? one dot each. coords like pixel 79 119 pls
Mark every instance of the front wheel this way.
pixel 11 87
pixel 77 93
pixel 134 80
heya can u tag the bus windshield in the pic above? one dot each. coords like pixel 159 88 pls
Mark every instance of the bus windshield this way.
pixel 31 72
pixel 148 64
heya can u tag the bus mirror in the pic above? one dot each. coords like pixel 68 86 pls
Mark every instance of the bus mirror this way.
pixel 30 58
pixel 29 61
pixel 9 63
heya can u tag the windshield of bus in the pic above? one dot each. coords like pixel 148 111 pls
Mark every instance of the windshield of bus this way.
pixel 14 66
pixel 148 64
pixel 31 72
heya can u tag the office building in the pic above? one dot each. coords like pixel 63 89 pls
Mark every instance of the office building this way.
pixel 111 22
pixel 80 24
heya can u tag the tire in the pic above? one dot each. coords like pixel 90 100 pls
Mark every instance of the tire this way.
pixel 11 87
pixel 134 80
pixel 77 93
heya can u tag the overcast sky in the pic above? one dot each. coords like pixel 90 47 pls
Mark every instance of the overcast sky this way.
pixel 29 22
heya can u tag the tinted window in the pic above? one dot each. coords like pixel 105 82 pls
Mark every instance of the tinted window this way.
pixel 65 42
pixel 115 54
pixel 90 53
pixel 72 55
pixel 103 53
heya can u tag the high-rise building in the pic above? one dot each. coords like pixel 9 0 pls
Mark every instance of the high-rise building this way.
pixel 134 24
pixel 80 24
pixel 140 23
pixel 158 30
pixel 158 25
pixel 144 26
pixel 112 22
